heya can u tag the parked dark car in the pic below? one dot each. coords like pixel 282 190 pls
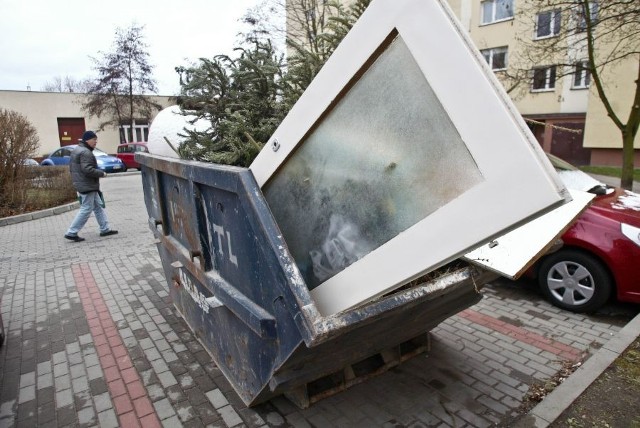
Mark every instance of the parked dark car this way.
pixel 601 251
pixel 106 162
pixel 127 151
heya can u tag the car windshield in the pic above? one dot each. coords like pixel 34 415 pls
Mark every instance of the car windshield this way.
pixel 575 179
pixel 99 153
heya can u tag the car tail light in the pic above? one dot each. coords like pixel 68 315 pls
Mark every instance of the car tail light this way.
pixel 631 232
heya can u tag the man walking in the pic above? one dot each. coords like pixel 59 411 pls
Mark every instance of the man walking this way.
pixel 85 176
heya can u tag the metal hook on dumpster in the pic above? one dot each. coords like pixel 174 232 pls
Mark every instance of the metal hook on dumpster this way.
pixel 196 253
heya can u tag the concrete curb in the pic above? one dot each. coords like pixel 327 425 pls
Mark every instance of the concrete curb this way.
pixel 549 409
pixel 6 221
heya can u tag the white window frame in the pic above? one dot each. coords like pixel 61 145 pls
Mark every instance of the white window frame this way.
pixel 594 8
pixel 581 72
pixel 486 20
pixel 488 123
pixel 141 129
pixel 551 78
pixel 489 55
pixel 555 17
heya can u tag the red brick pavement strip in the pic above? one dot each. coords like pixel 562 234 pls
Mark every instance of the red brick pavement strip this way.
pixel 534 339
pixel 129 396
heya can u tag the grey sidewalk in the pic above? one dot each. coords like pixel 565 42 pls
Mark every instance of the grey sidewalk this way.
pixel 481 364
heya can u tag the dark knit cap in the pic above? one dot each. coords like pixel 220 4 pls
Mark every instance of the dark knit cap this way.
pixel 88 135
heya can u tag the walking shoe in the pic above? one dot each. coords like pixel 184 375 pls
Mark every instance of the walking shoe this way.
pixel 109 232
pixel 74 238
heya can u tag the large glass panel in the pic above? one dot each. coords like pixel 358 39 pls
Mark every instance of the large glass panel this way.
pixel 499 61
pixel 384 158
pixel 539 78
pixel 544 24
pixel 504 9
pixel 557 21
pixel 486 53
pixel 487 12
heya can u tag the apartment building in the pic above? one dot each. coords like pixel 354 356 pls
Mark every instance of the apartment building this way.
pixel 560 104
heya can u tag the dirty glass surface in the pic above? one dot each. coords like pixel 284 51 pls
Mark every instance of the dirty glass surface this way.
pixel 385 157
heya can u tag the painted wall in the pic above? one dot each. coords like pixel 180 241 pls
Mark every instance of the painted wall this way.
pixel 44 108
pixel 600 130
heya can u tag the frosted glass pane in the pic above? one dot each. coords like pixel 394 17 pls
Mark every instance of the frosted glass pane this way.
pixel 384 158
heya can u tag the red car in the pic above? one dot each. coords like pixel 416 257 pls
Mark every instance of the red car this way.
pixel 127 151
pixel 601 253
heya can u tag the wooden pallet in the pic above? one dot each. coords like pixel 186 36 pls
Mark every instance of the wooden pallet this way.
pixel 358 372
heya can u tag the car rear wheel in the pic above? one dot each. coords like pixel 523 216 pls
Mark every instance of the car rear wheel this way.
pixel 575 281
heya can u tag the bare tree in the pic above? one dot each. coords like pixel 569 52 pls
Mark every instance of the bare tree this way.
pixel 311 30
pixel 119 93
pixel 18 141
pixel 315 29
pixel 589 40
pixel 67 84
pixel 264 23
pixel 299 21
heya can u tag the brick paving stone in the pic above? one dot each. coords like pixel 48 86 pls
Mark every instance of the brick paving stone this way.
pixel 164 409
pixel 27 394
pixel 46 413
pixel 509 391
pixel 122 404
pixel 77 369
pixel 217 398
pixel 87 416
pixel 80 384
pixel 143 406
pixel 64 398
pixel 185 411
pixel 167 379
pixel 107 419
pixel 231 417
pixel 129 420
pixel 487 390
pixel 172 422
pixel 150 421
pixel 136 389
pixel 155 392
pixel 45 395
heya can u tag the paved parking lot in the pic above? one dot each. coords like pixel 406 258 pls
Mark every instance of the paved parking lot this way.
pixel 92 340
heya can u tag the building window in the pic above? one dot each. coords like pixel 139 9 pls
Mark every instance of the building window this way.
pixel 581 75
pixel 548 24
pixel 140 132
pixel 496 58
pixel 496 10
pixel 544 78
pixel 582 15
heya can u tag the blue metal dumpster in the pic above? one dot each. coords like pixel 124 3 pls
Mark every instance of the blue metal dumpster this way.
pixel 237 286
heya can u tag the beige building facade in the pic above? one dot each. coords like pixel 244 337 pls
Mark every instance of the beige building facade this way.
pixel 59 119
pixel 564 112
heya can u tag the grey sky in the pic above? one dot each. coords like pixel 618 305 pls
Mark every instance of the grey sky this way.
pixel 42 39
